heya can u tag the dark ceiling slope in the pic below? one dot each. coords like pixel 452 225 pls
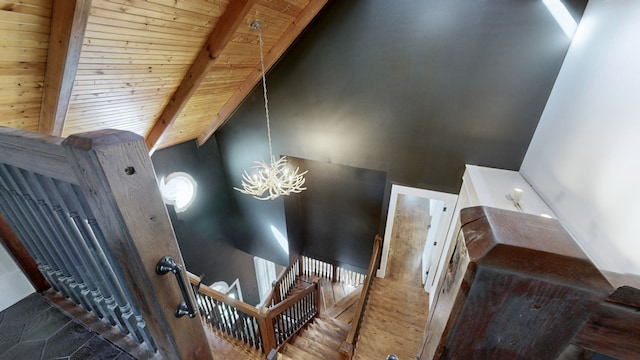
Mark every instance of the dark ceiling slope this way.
pixel 413 89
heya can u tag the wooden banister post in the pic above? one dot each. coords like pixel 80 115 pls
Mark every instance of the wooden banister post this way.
pixel 316 296
pixel 267 332
pixel 117 178
pixel 301 267
pixel 275 290
pixel 334 275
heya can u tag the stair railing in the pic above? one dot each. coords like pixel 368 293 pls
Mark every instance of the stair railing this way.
pixel 282 286
pixel 347 347
pixel 314 267
pixel 289 316
pixel 263 329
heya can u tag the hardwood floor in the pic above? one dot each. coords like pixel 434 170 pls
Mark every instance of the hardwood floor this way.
pixel 398 305
pixel 410 228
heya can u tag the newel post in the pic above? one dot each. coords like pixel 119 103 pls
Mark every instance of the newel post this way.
pixel 316 293
pixel 265 324
pixel 116 176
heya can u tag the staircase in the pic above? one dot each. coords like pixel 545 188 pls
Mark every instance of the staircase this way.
pixel 321 340
pixel 394 320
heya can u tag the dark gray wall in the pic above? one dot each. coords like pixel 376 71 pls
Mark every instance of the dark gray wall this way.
pixel 206 231
pixel 337 215
pixel 413 89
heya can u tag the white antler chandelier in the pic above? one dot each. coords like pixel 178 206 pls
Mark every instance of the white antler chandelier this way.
pixel 272 180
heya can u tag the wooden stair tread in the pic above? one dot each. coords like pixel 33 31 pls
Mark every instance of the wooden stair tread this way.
pixel 311 345
pixel 345 303
pixel 321 339
pixel 330 330
pixel 282 356
pixel 298 354
pixel 330 340
pixel 320 334
pixel 342 326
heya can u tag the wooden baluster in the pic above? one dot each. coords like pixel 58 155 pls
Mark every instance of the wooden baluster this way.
pixel 282 329
pixel 239 325
pixel 334 275
pixel 243 327
pixel 219 307
pixel 228 313
pixel 253 326
pixel 243 318
pixel 215 314
pixel 252 331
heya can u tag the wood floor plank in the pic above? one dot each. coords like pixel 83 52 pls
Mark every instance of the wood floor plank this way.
pixel 397 309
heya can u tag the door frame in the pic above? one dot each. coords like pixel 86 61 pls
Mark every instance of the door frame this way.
pixel 450 203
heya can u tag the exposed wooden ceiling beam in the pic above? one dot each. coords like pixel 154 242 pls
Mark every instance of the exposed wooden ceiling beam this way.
pixel 68 24
pixel 270 58
pixel 220 37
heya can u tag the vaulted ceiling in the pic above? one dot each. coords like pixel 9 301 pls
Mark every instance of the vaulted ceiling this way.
pixel 171 71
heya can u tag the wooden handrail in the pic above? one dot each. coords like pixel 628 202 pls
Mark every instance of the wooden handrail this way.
pixel 275 324
pixel 347 347
pixel 272 297
pixel 280 307
pixel 222 297
pixel 276 294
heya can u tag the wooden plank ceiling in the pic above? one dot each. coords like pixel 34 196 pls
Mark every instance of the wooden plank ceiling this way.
pixel 171 71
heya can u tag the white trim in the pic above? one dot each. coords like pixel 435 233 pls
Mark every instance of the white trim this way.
pixel 448 199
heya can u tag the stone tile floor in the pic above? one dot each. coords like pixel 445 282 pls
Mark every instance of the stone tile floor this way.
pixel 34 329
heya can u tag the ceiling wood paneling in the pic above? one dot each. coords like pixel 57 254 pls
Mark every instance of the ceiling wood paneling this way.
pixel 210 52
pixel 24 40
pixel 138 67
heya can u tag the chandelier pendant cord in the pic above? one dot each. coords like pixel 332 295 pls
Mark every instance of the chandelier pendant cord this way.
pixel 275 178
pixel 264 90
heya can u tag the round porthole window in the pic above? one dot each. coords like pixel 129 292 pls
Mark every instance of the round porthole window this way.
pixel 178 189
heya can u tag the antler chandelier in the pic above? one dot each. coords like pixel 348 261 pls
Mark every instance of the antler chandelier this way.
pixel 271 180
